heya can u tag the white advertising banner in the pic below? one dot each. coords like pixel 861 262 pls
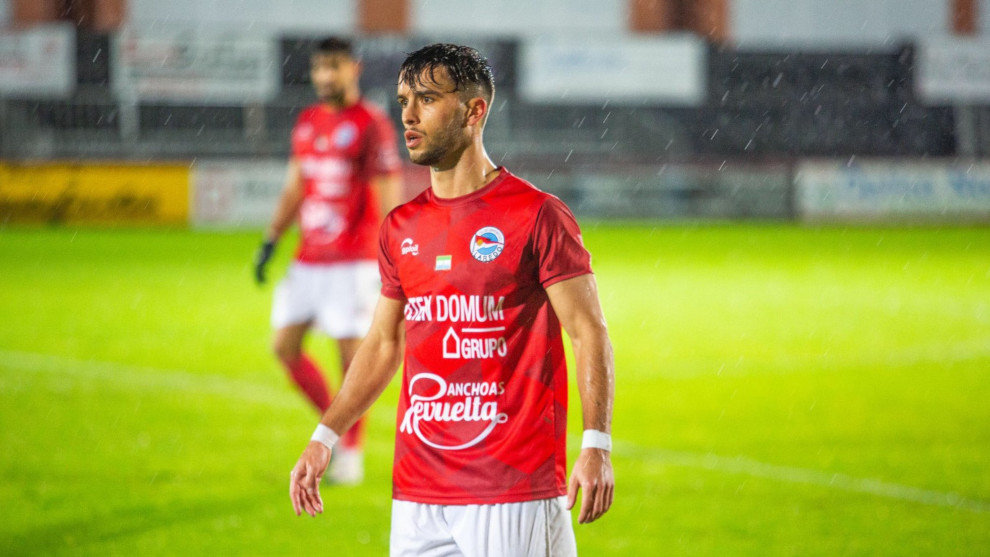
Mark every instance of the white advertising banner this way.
pixel 186 66
pixel 233 193
pixel 663 69
pixel 954 71
pixel 39 61
pixel 893 190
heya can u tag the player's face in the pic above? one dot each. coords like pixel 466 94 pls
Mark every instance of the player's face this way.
pixel 435 118
pixel 333 75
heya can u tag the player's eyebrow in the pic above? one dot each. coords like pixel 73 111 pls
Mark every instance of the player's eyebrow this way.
pixel 419 92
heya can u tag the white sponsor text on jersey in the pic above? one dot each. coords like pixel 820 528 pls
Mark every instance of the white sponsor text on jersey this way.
pixel 472 408
pixel 455 308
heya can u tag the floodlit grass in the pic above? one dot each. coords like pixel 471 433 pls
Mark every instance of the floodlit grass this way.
pixel 780 391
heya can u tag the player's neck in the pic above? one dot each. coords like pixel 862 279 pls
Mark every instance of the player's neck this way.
pixel 473 171
pixel 349 99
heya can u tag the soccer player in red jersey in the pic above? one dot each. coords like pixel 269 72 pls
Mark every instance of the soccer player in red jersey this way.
pixel 479 273
pixel 343 176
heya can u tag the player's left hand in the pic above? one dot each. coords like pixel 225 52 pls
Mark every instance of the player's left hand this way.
pixel 261 259
pixel 304 481
pixel 592 474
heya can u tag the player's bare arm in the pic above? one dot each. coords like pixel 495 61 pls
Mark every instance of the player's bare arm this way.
pixel 373 367
pixel 285 214
pixel 575 301
pixel 288 203
pixel 388 188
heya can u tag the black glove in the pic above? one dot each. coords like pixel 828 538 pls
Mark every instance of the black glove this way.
pixel 261 259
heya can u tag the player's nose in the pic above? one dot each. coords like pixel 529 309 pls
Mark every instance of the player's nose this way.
pixel 410 115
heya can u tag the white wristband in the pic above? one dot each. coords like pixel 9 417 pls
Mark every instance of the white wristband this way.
pixel 594 439
pixel 325 435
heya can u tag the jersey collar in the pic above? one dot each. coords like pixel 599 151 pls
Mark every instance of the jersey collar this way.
pixel 446 202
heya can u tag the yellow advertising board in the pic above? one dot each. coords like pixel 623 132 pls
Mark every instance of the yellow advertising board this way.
pixel 94 193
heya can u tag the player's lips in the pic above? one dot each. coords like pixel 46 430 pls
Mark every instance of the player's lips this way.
pixel 413 139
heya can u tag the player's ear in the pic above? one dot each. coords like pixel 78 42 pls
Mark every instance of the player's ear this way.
pixel 477 110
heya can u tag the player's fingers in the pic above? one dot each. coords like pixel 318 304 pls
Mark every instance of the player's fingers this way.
pixel 572 489
pixel 307 492
pixel 301 498
pixel 609 497
pixel 308 503
pixel 599 507
pixel 313 491
pixel 317 499
pixel 296 491
pixel 588 491
pixel 303 502
pixel 294 496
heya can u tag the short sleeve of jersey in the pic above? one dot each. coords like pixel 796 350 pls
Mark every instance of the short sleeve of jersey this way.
pixel 557 244
pixel 383 157
pixel 386 266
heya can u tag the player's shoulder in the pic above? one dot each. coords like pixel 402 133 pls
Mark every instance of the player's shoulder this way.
pixel 304 129
pixel 309 112
pixel 406 211
pixel 307 116
pixel 370 110
pixel 525 192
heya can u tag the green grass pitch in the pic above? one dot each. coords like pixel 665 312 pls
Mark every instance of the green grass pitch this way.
pixel 781 390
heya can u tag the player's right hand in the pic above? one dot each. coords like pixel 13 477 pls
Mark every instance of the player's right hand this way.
pixel 261 260
pixel 304 480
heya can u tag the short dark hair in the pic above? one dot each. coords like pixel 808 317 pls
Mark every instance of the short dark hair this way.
pixel 465 66
pixel 334 45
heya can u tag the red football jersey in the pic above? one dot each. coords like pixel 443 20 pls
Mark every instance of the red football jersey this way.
pixel 339 152
pixel 482 416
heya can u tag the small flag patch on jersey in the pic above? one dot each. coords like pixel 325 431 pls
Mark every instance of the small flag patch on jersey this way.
pixel 443 263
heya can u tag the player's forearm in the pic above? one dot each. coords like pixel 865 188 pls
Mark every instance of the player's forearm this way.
pixel 576 303
pixel 285 214
pixel 595 372
pixel 288 203
pixel 388 189
pixel 373 367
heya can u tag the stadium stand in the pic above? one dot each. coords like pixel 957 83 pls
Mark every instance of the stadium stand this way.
pixel 760 103
pixel 764 110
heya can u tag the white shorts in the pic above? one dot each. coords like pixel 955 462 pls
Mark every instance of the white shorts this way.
pixel 531 528
pixel 338 298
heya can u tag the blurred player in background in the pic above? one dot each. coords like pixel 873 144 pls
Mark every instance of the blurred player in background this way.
pixel 479 273
pixel 343 176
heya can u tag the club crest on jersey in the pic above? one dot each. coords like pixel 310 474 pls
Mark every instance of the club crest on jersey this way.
pixel 487 243
pixel 344 135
